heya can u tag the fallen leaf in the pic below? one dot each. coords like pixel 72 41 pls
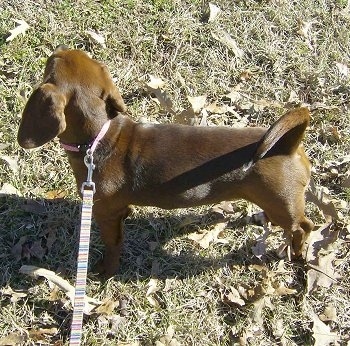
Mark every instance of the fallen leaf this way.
pixel 204 239
pixel 170 284
pixel 343 69
pixel 304 28
pixel 16 250
pixel 8 189
pixel 233 296
pixel 153 301
pixel 320 239
pixel 155 82
pixel 13 339
pixel 34 207
pixel 329 314
pixel 281 290
pixel 214 11
pixel 186 117
pixel 168 339
pixel 322 274
pixel 234 96
pixel 197 102
pixel 37 250
pixel 317 196
pixel 107 307
pixel 41 333
pixel 154 88
pixel 12 162
pixel 322 333
pixel 56 194
pixel 223 207
pixel 97 37
pixel 259 249
pixel 152 287
pixel 20 29
pixel 223 37
pixel 15 295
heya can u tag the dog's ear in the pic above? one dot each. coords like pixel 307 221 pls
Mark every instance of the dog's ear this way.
pixel 43 117
pixel 114 102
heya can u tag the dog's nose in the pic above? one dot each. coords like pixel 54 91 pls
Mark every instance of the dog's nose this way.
pixel 60 47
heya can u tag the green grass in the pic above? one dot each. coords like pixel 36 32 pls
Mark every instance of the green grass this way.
pixel 171 40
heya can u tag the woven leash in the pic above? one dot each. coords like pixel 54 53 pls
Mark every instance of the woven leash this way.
pixel 87 190
pixel 83 256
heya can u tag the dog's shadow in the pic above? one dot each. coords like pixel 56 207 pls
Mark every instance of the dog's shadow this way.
pixel 44 232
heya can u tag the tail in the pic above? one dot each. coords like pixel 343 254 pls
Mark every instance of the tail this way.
pixel 284 136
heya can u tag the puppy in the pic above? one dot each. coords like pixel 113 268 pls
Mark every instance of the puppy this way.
pixel 167 166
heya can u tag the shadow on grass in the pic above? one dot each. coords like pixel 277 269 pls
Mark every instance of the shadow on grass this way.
pixel 44 232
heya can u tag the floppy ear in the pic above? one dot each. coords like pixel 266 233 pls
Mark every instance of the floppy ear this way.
pixel 114 102
pixel 43 117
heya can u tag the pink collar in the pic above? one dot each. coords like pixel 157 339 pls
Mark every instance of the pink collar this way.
pixel 91 146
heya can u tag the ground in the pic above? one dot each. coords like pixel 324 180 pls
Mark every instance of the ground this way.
pixel 200 276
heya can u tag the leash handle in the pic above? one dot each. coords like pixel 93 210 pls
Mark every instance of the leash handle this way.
pixel 83 256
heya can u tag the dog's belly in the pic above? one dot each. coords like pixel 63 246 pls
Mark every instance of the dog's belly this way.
pixel 203 194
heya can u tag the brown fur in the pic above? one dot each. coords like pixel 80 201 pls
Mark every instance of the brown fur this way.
pixel 167 166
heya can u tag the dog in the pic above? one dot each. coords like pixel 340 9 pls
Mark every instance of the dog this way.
pixel 164 165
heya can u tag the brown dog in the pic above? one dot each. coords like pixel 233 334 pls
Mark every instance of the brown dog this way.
pixel 168 166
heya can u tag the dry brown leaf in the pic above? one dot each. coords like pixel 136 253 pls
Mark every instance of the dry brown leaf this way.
pixel 153 301
pixel 281 290
pixel 168 338
pixel 320 239
pixel 56 194
pixel 12 162
pixel 304 28
pixel 322 274
pixel 234 96
pixel 154 87
pixel 107 307
pixel 214 11
pixel 322 333
pixel 259 249
pixel 8 189
pixel 223 207
pixel 33 207
pixel 20 29
pixel 186 117
pixel 41 333
pixel 206 238
pixel 343 69
pixel 317 196
pixel 170 284
pixel 329 314
pixel 15 296
pixel 233 296
pixel 197 103
pixel 152 287
pixel 223 37
pixel 97 37
pixel 13 339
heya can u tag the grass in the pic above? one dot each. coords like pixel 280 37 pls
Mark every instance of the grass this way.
pixel 173 41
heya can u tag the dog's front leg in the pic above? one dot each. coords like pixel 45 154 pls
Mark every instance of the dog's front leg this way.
pixel 111 230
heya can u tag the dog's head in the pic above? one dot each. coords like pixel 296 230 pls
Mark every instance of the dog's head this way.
pixel 76 91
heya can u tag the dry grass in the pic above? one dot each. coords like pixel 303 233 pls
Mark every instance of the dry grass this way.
pixel 173 40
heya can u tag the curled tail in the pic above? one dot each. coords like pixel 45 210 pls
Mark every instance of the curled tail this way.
pixel 284 136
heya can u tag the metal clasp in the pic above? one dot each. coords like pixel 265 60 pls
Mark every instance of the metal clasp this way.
pixel 89 163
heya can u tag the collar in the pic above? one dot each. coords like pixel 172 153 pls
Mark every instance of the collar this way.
pixel 82 148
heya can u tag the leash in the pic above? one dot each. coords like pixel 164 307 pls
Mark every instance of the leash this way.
pixel 87 189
